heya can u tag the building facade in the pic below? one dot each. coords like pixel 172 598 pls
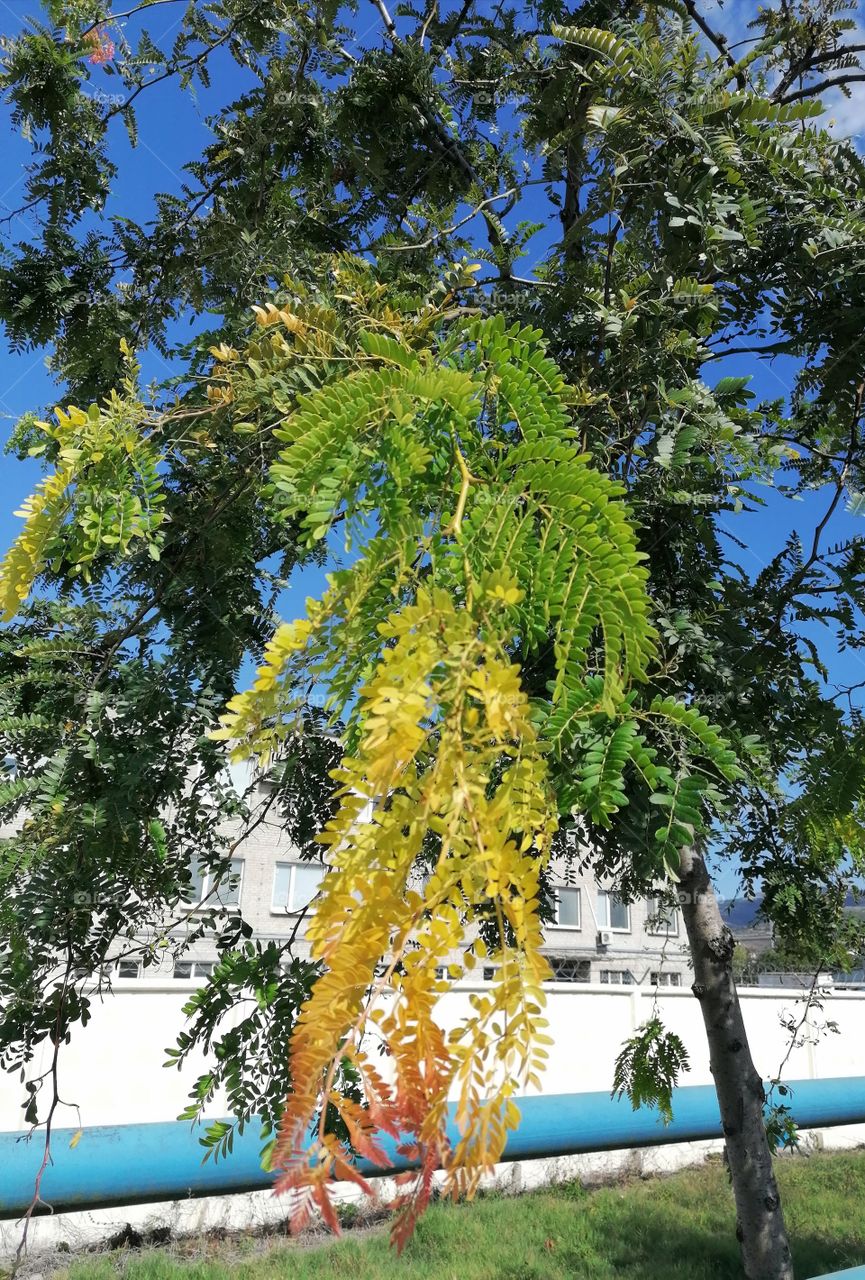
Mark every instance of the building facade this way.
pixel 595 937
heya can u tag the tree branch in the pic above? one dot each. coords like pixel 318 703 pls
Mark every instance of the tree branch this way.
pixel 447 142
pixel 815 90
pixel 128 13
pixel 455 25
pixel 173 70
pixel 718 40
pixel 781 347
pixel 798 578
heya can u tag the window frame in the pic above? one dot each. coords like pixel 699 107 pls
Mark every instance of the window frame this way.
pixel 604 896
pixel 193 966
pixel 654 908
pixel 568 888
pixel 670 979
pixel 288 909
pixel 204 902
pixel 240 863
pixel 581 965
pixel 616 978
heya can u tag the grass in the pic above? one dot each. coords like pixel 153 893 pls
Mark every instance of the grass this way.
pixel 656 1229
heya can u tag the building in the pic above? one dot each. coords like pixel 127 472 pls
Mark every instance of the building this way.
pixel 595 938
pixel 599 938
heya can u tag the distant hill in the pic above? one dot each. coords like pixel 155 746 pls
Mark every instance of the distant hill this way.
pixel 743 913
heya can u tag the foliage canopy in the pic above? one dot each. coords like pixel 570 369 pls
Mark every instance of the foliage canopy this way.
pixel 543 621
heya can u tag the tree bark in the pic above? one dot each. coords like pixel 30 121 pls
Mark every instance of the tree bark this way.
pixel 760 1225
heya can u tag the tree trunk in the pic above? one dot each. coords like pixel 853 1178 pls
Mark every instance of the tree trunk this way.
pixel 760 1225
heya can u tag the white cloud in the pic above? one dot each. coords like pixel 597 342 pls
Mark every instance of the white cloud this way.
pixel 845 117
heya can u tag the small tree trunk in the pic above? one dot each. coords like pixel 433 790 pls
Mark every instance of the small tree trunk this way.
pixel 760 1219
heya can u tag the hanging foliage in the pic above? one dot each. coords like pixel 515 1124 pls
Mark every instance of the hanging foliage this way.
pixel 103 497
pixel 447 457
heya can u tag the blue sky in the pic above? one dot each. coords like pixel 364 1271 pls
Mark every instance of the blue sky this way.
pixel 173 130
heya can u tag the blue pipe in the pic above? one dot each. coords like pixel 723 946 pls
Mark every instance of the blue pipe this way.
pixel 854 1273
pixel 139 1163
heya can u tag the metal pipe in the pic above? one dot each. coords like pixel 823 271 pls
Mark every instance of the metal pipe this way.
pixel 140 1163
pixel 854 1273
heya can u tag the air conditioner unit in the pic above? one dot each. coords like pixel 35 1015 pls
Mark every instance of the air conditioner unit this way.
pixel 605 937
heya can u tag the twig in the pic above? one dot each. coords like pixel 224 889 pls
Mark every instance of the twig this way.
pixel 455 26
pixel 128 13
pixel 798 578
pixel 447 231
pixel 781 347
pixel 799 1025
pixel 57 1040
pixel 172 70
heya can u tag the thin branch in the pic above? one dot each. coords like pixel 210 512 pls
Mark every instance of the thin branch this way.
pixel 57 1040
pixel 812 449
pixel 815 90
pixel 810 1000
pixel 781 347
pixel 829 54
pixel 571 204
pixel 432 10
pixel 173 70
pixel 129 13
pixel 525 281
pixel 799 577
pixel 616 225
pixel 155 599
pixel 455 25
pixel 718 40
pixel 839 487
pixel 16 213
pixel 794 72
pixel 447 231
pixel 447 142
pixel 847 691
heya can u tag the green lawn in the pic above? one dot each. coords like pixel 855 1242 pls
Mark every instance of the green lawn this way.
pixel 659 1229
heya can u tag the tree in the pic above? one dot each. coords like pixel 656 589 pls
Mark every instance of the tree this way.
pixel 701 210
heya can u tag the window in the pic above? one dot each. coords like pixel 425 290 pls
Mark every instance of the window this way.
pixel 613 913
pixel 663 916
pixel 569 969
pixel 666 979
pixel 617 977
pixel 197 887
pixel 129 968
pixel 295 884
pixel 567 908
pixel 489 973
pixel 193 968
pixel 227 891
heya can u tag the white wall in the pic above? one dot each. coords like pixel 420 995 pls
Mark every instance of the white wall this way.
pixel 113 1071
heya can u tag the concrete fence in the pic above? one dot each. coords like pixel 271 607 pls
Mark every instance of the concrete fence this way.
pixel 113 1073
